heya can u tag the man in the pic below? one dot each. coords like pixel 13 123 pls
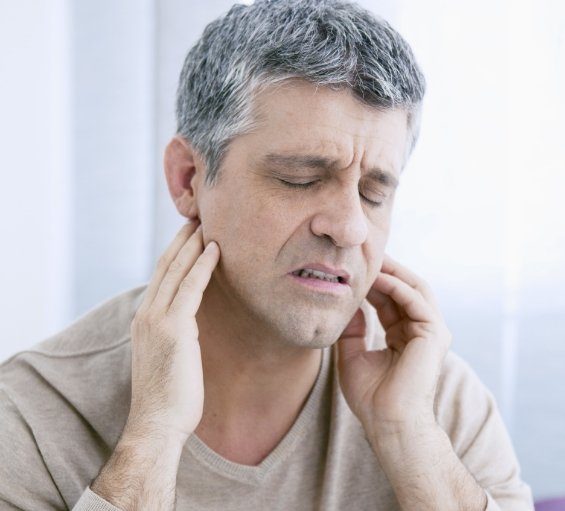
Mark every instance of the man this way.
pixel 278 359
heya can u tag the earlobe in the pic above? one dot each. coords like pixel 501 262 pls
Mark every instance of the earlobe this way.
pixel 182 171
pixel 193 212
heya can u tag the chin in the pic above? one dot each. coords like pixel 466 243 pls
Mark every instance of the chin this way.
pixel 313 336
pixel 291 320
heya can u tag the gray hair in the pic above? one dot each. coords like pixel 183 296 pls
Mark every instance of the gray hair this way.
pixel 329 43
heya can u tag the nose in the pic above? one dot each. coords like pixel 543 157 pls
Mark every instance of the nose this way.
pixel 341 218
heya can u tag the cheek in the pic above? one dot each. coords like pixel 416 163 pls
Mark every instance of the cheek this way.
pixel 250 228
pixel 374 252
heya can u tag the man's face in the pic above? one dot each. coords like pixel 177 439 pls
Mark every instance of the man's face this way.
pixel 267 229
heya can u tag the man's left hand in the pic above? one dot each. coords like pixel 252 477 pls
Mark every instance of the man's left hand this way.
pixel 394 388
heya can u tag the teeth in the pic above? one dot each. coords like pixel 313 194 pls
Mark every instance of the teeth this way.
pixel 317 274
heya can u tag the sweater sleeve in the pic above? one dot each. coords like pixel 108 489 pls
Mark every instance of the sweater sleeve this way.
pixel 469 414
pixel 25 481
pixel 90 501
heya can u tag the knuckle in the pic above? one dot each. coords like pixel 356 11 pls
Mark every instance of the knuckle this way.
pixel 144 320
pixel 187 284
pixel 419 329
pixel 427 328
pixel 175 267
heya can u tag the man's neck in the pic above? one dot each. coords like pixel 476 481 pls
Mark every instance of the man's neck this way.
pixel 254 387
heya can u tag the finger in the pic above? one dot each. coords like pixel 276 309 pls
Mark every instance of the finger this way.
pixel 352 340
pixel 387 309
pixel 357 326
pixel 393 267
pixel 408 298
pixel 189 296
pixel 403 332
pixel 165 260
pixel 177 271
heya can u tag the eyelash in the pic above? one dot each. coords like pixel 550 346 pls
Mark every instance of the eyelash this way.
pixel 371 203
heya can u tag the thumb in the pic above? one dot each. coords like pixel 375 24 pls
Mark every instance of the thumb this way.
pixel 351 342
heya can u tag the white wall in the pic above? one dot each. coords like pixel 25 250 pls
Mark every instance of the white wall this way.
pixel 36 267
pixel 77 159
pixel 113 129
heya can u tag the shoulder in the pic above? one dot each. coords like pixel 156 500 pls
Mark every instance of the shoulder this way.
pixel 104 326
pixel 463 402
pixel 107 324
pixel 21 457
pixel 73 382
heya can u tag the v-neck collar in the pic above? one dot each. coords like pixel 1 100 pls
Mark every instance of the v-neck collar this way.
pixel 255 473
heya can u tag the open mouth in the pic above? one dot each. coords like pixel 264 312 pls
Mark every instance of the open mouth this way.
pixel 319 275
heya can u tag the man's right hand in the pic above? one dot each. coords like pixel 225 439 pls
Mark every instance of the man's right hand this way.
pixel 167 391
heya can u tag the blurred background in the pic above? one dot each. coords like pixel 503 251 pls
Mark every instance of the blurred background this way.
pixel 87 106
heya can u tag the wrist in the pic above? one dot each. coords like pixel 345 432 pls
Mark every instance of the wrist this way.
pixel 424 471
pixel 386 434
pixel 410 448
pixel 140 467
pixel 151 433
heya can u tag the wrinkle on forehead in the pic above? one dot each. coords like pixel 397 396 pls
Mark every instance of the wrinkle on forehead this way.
pixel 298 118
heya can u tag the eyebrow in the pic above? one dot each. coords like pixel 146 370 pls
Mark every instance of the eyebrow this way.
pixel 295 161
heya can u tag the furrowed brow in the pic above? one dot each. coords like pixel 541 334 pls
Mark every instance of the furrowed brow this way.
pixel 300 161
pixel 296 161
pixel 383 177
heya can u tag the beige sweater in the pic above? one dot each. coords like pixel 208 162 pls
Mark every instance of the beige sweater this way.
pixel 64 403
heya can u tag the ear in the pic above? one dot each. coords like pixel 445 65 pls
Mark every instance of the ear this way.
pixel 184 171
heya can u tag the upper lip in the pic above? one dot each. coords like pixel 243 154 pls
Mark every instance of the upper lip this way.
pixel 338 272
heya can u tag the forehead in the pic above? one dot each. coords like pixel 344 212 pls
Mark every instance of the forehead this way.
pixel 298 118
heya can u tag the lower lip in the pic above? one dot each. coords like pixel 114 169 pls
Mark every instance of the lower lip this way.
pixel 320 285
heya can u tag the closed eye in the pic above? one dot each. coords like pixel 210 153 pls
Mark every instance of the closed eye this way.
pixel 297 185
pixel 373 204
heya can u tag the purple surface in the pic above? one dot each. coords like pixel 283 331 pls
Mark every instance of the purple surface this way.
pixel 550 505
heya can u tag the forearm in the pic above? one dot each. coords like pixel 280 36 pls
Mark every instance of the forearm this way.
pixel 141 473
pixel 425 473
